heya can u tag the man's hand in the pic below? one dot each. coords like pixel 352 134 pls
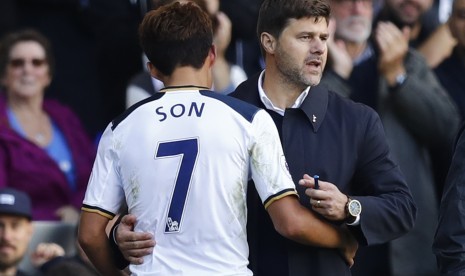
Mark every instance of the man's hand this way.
pixel 393 46
pixel 341 60
pixel 133 245
pixel 327 201
pixel 45 252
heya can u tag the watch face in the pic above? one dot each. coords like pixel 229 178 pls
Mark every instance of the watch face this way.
pixel 355 208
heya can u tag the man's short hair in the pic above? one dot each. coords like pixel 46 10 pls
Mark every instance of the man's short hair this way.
pixel 274 15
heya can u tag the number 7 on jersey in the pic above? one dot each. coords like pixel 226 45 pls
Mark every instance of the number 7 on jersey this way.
pixel 188 149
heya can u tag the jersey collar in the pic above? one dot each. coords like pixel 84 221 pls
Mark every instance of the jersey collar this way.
pixel 183 87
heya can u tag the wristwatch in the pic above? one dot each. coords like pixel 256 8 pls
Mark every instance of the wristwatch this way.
pixel 353 209
pixel 400 80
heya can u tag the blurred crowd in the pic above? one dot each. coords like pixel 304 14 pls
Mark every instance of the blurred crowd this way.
pixel 68 67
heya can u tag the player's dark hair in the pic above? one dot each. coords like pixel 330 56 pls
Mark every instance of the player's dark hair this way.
pixel 202 3
pixel 275 15
pixel 213 17
pixel 177 34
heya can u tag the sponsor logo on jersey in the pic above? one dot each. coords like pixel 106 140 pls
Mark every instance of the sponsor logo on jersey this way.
pixel 173 226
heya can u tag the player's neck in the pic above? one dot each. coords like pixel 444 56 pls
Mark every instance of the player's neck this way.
pixel 183 76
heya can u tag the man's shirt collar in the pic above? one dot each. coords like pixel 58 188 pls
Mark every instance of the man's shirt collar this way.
pixel 269 105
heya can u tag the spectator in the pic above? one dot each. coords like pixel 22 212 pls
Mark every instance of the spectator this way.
pixel 244 49
pixel 438 15
pixel 417 115
pixel 86 36
pixel 451 71
pixel 425 33
pixel 322 133
pixel 435 43
pixel 65 24
pixel 226 75
pixel 16 230
pixel 44 149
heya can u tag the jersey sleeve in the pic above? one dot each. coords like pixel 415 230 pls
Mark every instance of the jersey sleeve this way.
pixel 269 168
pixel 104 194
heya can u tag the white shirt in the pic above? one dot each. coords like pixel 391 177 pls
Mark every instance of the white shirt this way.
pixel 269 105
pixel 181 160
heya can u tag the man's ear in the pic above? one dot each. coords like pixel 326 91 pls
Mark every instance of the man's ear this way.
pixel 268 42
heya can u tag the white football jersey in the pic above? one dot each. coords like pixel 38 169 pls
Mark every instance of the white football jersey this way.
pixel 181 160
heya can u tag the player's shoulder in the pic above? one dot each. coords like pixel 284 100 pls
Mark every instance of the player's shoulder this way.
pixel 246 110
pixel 134 107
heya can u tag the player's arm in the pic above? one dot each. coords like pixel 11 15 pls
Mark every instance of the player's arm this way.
pixel 295 222
pixel 94 241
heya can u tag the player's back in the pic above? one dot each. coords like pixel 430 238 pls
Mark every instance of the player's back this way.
pixel 181 161
pixel 184 160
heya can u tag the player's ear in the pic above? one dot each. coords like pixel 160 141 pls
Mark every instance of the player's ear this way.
pixel 268 42
pixel 212 55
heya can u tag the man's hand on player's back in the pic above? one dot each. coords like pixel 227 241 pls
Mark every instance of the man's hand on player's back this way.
pixel 133 245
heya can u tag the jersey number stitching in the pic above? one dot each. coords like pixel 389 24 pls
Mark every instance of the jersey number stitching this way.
pixel 188 150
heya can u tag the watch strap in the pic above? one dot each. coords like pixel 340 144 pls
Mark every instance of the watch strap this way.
pixel 349 218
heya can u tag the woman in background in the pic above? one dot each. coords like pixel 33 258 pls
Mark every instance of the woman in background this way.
pixel 44 149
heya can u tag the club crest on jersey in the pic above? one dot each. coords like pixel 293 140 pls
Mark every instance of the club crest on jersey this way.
pixel 179 110
pixel 172 226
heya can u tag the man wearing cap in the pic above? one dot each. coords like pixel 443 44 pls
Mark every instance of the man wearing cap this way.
pixel 15 230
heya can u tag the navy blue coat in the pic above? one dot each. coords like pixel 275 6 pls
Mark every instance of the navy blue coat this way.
pixel 346 146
